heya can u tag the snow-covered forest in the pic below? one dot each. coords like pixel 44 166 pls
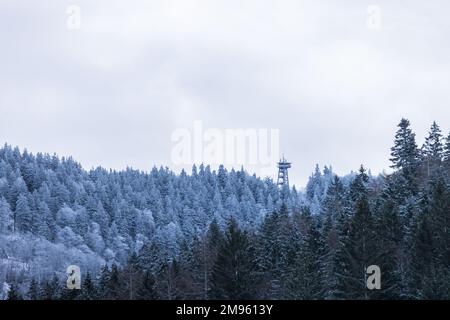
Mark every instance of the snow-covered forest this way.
pixel 226 234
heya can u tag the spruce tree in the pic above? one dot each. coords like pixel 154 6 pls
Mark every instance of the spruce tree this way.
pixel 23 214
pixel 277 244
pixel 430 254
pixel 103 283
pixel 13 293
pixel 168 281
pixel 432 150
pixel 114 288
pixel 203 258
pixel 391 255
pixel 358 248
pixel 51 289
pixel 232 276
pixel 404 153
pixel 6 217
pixel 88 290
pixel 147 290
pixel 131 277
pixel 446 154
pixel 305 278
pixel 33 291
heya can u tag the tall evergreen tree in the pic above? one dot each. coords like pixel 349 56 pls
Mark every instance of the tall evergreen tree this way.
pixel 103 283
pixel 446 153
pixel 205 251
pixel 233 276
pixel 358 250
pixel 13 293
pixel 147 290
pixel 430 252
pixel 305 278
pixel 390 254
pixel 51 289
pixel 404 153
pixel 432 150
pixel 23 214
pixel 168 281
pixel 114 289
pixel 33 291
pixel 6 217
pixel 132 277
pixel 88 289
pixel 277 244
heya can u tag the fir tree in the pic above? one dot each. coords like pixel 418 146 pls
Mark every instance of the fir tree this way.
pixel 430 254
pixel 432 150
pixel 103 283
pixel 404 153
pixel 232 276
pixel 113 286
pixel 277 244
pixel 389 237
pixel 358 249
pixel 51 289
pixel 132 277
pixel 147 290
pixel 33 291
pixel 305 276
pixel 13 293
pixel 6 217
pixel 446 153
pixel 23 214
pixel 88 289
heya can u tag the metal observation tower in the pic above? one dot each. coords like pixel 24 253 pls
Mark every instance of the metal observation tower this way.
pixel 283 177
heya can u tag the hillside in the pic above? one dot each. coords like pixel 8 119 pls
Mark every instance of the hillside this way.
pixel 226 234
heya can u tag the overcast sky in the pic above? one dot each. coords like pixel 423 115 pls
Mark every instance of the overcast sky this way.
pixel 112 92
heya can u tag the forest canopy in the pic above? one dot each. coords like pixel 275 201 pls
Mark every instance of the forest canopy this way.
pixel 225 234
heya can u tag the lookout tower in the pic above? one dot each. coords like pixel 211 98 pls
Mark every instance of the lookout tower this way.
pixel 283 178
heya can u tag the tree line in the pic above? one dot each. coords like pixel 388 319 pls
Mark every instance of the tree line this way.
pixel 319 249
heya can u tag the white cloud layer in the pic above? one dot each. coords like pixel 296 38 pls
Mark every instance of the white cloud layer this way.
pixel 112 92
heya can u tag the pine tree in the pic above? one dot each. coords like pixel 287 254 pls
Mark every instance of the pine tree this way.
pixel 204 256
pixel 358 189
pixel 33 291
pixel 276 247
pixel 432 150
pixel 358 249
pixel 232 276
pixel 446 153
pixel 13 293
pixel 51 289
pixel 18 188
pixel 304 276
pixel 389 237
pixel 168 281
pixel 100 216
pixel 315 190
pixel 147 290
pixel 114 287
pixel 6 217
pixel 334 215
pixel 421 257
pixel 88 290
pixel 23 214
pixel 404 153
pixel 334 202
pixel 430 253
pixel 103 283
pixel 131 276
pixel 46 223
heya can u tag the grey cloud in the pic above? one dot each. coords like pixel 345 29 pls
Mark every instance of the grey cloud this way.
pixel 111 93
